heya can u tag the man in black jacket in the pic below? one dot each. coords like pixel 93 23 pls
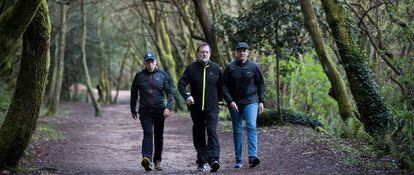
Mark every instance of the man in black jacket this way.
pixel 244 92
pixel 205 80
pixel 152 85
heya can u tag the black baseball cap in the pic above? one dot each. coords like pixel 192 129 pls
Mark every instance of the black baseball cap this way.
pixel 150 56
pixel 242 45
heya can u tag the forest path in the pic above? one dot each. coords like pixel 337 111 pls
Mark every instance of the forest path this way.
pixel 111 145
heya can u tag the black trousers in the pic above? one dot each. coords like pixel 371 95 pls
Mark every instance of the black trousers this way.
pixel 152 122
pixel 205 121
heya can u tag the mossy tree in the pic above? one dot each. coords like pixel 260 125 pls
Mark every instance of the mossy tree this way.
pixel 11 30
pixel 55 86
pixel 104 67
pixel 163 45
pixel 21 118
pixel 83 61
pixel 338 88
pixel 375 115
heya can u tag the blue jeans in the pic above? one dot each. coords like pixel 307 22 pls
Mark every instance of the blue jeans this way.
pixel 249 112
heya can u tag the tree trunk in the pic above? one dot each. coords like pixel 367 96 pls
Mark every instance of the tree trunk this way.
pixel 21 119
pixel 53 103
pixel 375 115
pixel 164 49
pixel 210 35
pixel 83 60
pixel 337 84
pixel 118 82
pixel 104 68
pixel 52 81
pixel 13 23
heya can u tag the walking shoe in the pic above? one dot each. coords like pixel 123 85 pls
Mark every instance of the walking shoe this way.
pixel 214 166
pixel 146 163
pixel 157 165
pixel 253 161
pixel 238 164
pixel 201 167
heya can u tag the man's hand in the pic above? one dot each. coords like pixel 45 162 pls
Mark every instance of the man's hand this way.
pixel 166 113
pixel 135 116
pixel 261 108
pixel 221 107
pixel 190 100
pixel 234 106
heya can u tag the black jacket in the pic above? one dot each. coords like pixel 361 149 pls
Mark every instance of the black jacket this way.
pixel 243 83
pixel 209 90
pixel 152 87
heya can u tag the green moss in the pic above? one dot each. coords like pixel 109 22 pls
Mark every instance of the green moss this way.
pixel 5 97
pixel 375 115
pixel 287 116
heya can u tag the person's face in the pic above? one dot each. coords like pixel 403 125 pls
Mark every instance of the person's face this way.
pixel 242 54
pixel 150 65
pixel 204 54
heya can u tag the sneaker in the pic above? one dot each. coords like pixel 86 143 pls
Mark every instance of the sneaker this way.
pixel 238 164
pixel 253 161
pixel 201 167
pixel 146 163
pixel 214 166
pixel 157 165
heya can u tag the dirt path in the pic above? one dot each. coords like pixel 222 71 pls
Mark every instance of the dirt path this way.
pixel 111 145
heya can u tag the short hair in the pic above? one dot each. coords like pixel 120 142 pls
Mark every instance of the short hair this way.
pixel 203 44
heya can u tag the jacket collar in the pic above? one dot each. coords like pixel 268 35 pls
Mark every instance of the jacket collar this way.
pixel 147 72
pixel 241 64
pixel 204 64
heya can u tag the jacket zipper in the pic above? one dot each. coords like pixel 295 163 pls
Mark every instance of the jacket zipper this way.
pixel 204 88
pixel 151 100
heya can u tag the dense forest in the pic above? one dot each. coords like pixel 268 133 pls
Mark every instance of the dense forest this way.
pixel 344 67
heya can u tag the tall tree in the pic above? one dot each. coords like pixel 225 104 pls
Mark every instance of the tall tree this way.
pixel 338 87
pixel 375 115
pixel 209 33
pixel 57 77
pixel 121 73
pixel 104 68
pixel 83 61
pixel 13 22
pixel 21 118
pixel 163 45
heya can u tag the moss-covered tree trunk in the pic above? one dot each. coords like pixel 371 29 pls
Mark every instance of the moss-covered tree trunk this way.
pixel 164 49
pixel 340 93
pixel 21 118
pixel 104 67
pixel 210 35
pixel 375 115
pixel 56 82
pixel 13 23
pixel 83 60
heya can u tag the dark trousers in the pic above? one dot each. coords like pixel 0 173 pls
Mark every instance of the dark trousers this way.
pixel 205 121
pixel 152 123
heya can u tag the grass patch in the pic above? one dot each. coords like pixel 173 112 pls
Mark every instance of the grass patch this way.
pixel 358 153
pixel 46 132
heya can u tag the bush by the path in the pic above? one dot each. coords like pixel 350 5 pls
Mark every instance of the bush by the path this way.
pixel 272 117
